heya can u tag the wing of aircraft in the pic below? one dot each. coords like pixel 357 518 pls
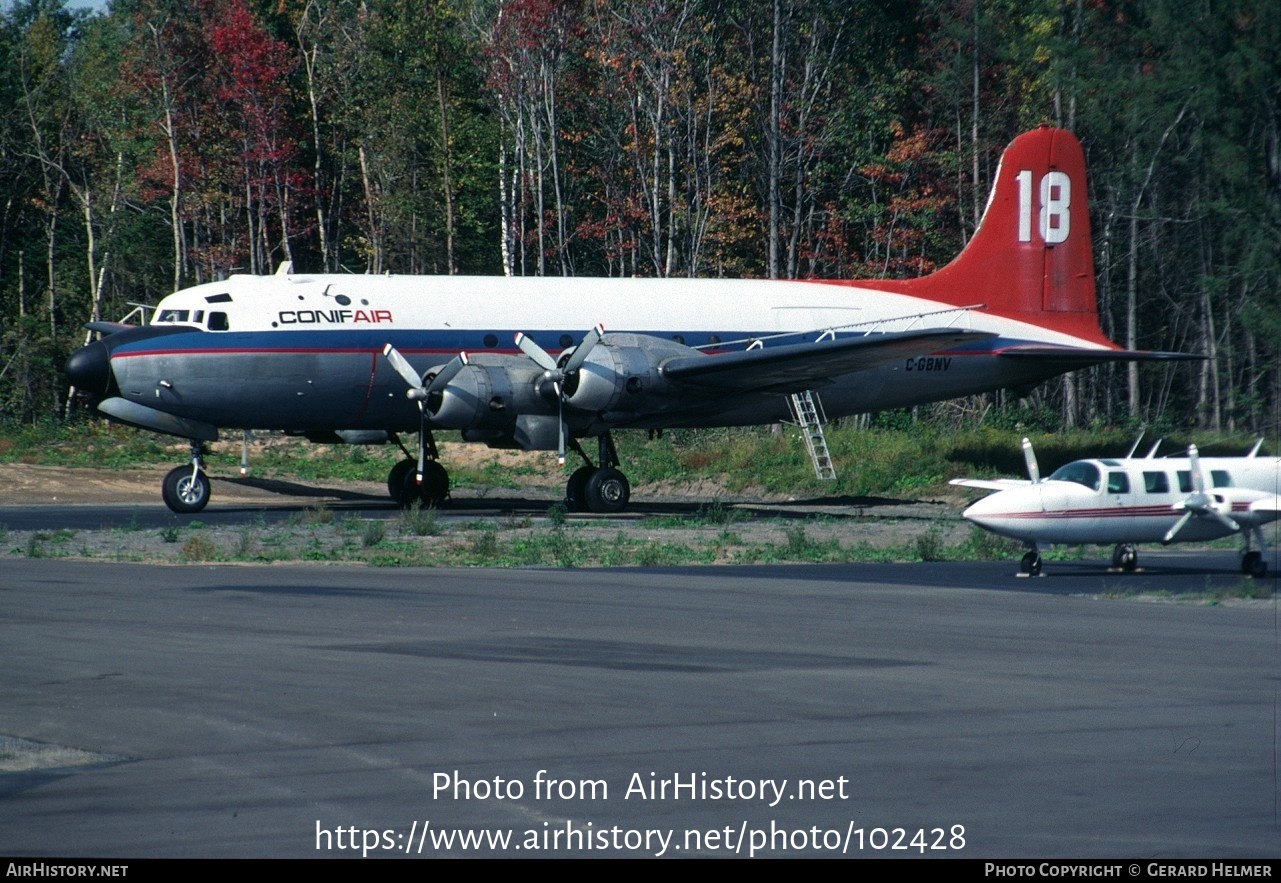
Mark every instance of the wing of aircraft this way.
pixel 795 367
pixel 365 358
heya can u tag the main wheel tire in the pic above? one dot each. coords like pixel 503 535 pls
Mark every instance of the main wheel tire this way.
pixel 435 486
pixel 396 481
pixel 607 491
pixel 1031 564
pixel 576 489
pixel 1252 564
pixel 1125 557
pixel 184 492
pixel 432 492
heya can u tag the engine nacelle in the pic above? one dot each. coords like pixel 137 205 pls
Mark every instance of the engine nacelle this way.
pixel 487 395
pixel 622 374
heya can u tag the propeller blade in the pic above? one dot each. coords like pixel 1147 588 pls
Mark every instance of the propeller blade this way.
pixel 1224 520
pixel 402 366
pixel 422 443
pixel 584 349
pixel 535 352
pixel 1198 477
pixel 1029 457
pixel 560 441
pixel 1178 526
pixel 448 373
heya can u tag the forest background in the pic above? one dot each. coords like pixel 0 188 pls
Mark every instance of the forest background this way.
pixel 158 144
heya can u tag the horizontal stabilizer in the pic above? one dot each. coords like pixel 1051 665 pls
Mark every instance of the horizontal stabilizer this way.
pixel 783 369
pixel 1072 358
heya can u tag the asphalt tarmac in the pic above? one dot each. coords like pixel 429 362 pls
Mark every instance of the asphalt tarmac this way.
pixel 866 710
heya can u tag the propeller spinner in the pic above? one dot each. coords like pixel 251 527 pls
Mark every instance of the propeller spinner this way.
pixel 1197 504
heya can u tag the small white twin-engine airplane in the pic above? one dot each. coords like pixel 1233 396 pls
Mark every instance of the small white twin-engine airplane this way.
pixel 331 357
pixel 1132 500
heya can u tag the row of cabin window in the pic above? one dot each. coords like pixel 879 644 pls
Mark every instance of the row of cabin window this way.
pixel 1154 482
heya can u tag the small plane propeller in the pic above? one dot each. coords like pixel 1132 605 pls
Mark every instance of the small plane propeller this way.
pixel 1197 504
pixel 1029 457
pixel 558 372
pixel 420 388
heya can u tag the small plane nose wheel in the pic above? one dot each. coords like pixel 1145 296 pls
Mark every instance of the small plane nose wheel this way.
pixel 1031 564
pixel 1125 557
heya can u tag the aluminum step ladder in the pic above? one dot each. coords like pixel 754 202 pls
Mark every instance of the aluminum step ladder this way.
pixel 808 413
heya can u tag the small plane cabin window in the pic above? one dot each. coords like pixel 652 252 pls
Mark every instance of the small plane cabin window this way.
pixel 1081 472
pixel 1118 483
pixel 1220 478
pixel 1185 481
pixel 218 322
pixel 1156 482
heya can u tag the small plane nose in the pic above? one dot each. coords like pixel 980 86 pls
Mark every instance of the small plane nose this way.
pixel 89 369
pixel 1000 512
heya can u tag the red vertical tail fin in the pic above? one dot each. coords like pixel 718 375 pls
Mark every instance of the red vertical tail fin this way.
pixel 1031 258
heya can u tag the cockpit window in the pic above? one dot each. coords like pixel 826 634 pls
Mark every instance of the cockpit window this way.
pixel 218 322
pixel 1220 478
pixel 1081 472
pixel 174 316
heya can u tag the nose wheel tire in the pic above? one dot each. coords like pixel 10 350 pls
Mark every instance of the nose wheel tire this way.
pixel 185 491
pixel 1125 557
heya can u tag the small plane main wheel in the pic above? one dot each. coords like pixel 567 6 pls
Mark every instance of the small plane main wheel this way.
pixel 1125 557
pixel 607 491
pixel 396 480
pixel 576 489
pixel 183 492
pixel 432 492
pixel 1031 564
pixel 1252 564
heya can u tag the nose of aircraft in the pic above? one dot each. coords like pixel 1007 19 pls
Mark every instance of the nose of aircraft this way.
pixel 1000 511
pixel 89 369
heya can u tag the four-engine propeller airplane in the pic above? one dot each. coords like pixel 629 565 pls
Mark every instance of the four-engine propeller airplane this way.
pixel 330 356
pixel 1132 500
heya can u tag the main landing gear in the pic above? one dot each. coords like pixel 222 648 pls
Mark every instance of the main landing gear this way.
pixel 1031 564
pixel 1252 563
pixel 185 489
pixel 402 481
pixel 597 489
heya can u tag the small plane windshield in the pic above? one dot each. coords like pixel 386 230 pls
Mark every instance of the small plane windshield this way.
pixel 1081 472
pixel 173 316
